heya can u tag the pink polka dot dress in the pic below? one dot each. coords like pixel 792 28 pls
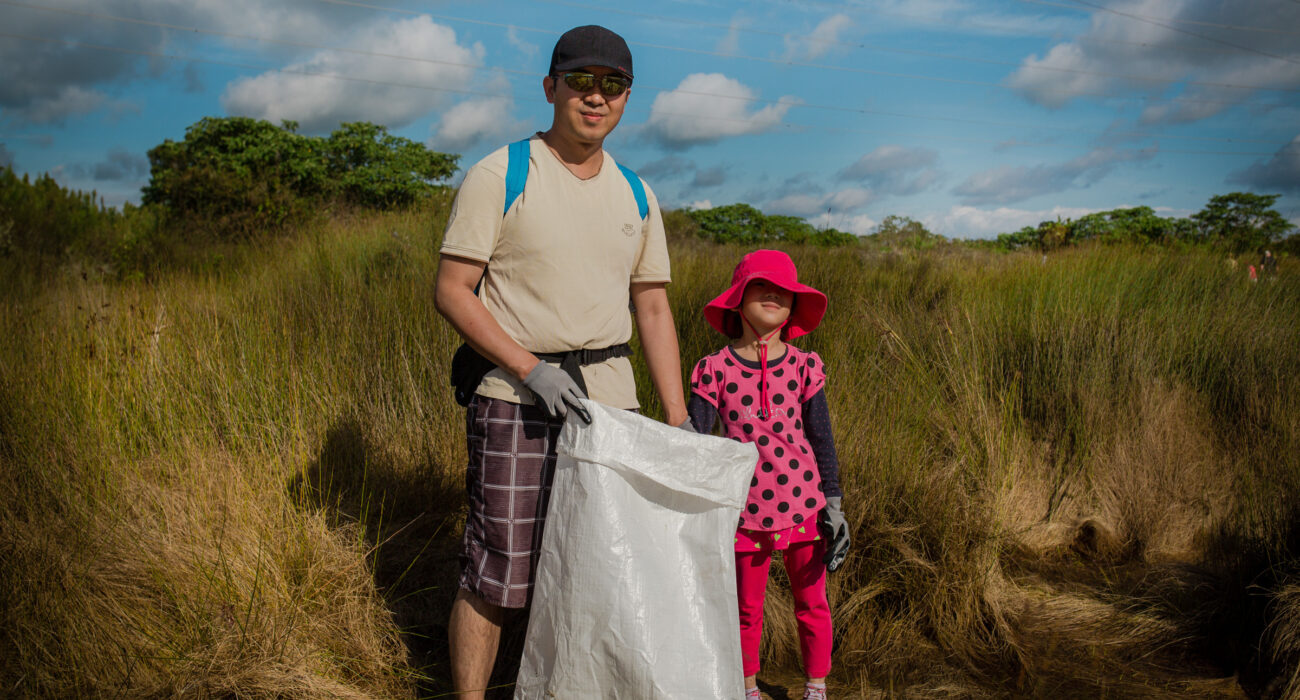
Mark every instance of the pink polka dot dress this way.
pixel 785 493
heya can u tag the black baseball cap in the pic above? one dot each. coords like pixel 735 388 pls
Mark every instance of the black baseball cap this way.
pixel 591 45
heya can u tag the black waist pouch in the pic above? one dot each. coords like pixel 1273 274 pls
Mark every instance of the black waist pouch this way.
pixel 468 367
pixel 467 371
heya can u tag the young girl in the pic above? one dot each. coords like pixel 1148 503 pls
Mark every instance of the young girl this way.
pixel 769 392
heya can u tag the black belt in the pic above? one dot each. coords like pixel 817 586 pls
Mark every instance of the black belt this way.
pixel 573 360
pixel 468 367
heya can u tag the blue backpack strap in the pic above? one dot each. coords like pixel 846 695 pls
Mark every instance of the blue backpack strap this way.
pixel 638 191
pixel 517 177
pixel 516 172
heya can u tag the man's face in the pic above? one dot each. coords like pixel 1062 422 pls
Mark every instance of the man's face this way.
pixel 585 117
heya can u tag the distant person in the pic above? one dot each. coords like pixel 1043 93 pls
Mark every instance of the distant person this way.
pixel 1254 274
pixel 1267 264
pixel 770 393
pixel 550 323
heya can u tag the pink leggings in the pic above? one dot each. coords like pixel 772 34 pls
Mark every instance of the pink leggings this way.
pixel 803 564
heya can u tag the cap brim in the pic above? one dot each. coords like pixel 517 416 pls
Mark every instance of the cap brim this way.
pixel 587 61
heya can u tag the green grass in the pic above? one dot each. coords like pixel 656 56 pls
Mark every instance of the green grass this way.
pixel 1073 476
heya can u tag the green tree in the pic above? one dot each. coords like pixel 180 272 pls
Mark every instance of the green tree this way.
pixel 376 169
pixel 44 218
pixel 903 232
pixel 237 176
pixel 1241 221
pixel 1026 237
pixel 742 223
pixel 733 223
pixel 1130 225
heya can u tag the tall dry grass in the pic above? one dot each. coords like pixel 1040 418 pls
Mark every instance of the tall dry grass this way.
pixel 1074 477
pixel 238 481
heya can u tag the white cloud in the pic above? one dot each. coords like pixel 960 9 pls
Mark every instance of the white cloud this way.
pixel 809 205
pixel 892 169
pixel 700 204
pixel 819 41
pixel 668 166
pixel 476 121
pixel 849 198
pixel 799 204
pixel 1054 88
pixel 1121 49
pixel 972 18
pixel 319 103
pixel 527 48
pixel 709 177
pixel 121 164
pixel 50 82
pixel 1006 184
pixel 730 42
pixel 857 224
pixel 1281 173
pixel 70 101
pixel 709 107
pixel 972 222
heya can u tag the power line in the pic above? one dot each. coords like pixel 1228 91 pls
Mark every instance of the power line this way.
pixel 827 67
pixel 250 37
pixel 850 110
pixel 889 49
pixel 1175 20
pixel 966 24
pixel 243 66
pixel 373 53
pixel 1182 31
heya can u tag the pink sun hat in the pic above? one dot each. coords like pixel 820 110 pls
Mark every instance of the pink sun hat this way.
pixel 775 267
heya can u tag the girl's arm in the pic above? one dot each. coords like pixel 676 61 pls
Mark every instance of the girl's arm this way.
pixel 703 414
pixel 817 426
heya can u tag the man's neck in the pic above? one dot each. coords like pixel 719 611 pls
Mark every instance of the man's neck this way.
pixel 582 159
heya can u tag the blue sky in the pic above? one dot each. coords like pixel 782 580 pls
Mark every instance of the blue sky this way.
pixel 973 117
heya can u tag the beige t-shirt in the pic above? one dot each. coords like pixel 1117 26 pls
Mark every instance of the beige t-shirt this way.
pixel 559 263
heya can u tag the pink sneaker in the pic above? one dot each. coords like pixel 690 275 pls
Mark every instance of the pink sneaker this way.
pixel 753 694
pixel 814 692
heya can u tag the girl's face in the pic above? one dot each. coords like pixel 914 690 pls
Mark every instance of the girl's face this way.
pixel 766 306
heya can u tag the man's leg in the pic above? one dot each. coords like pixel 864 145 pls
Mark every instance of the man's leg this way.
pixel 510 467
pixel 474 631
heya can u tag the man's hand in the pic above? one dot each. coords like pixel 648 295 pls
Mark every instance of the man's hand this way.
pixel 835 530
pixel 556 392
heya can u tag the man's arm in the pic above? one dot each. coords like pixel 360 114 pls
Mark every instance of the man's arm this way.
pixel 455 299
pixel 654 324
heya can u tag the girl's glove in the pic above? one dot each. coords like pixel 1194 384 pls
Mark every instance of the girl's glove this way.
pixel 835 530
pixel 556 392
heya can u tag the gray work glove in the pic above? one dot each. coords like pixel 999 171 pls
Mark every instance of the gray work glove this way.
pixel 688 426
pixel 556 392
pixel 835 530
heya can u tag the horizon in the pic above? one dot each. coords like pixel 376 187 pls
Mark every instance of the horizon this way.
pixel 972 118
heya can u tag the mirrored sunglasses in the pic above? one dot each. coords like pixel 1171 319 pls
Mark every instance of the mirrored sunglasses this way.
pixel 610 85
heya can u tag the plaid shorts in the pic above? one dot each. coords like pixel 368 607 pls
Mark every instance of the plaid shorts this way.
pixel 511 464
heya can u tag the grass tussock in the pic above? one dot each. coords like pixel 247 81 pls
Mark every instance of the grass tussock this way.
pixel 1072 476
pixel 199 583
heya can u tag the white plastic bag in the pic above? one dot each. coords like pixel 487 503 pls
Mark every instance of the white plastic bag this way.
pixel 635 593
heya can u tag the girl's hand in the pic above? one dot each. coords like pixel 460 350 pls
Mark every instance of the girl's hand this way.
pixel 835 530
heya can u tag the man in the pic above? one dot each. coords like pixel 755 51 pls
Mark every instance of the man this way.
pixel 558 271
pixel 1267 264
